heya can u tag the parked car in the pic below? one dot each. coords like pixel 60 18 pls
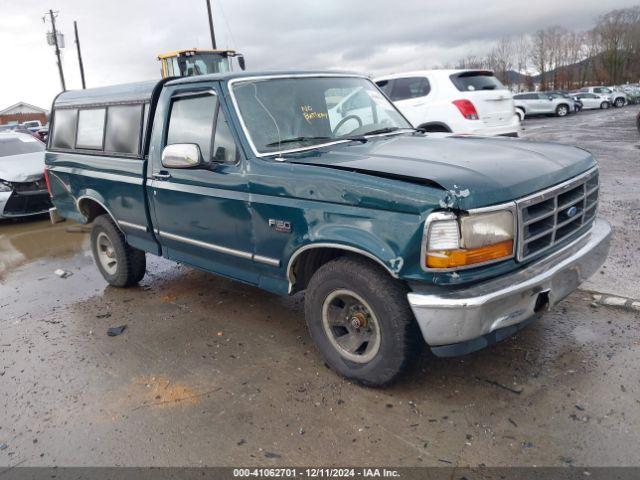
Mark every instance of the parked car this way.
pixel 396 235
pixel 592 101
pixel 542 103
pixel 638 121
pixel 15 127
pixel 617 98
pixel 460 101
pixel 632 92
pixel 43 133
pixel 575 103
pixel 32 125
pixel 22 186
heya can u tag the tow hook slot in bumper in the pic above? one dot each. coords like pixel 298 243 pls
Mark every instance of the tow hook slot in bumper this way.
pixel 484 313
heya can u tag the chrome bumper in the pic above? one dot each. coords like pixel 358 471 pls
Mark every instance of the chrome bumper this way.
pixel 481 314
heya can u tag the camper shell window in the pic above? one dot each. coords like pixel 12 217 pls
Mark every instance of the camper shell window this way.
pixel 64 128
pixel 115 130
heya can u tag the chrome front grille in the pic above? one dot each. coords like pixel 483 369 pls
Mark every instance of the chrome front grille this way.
pixel 550 216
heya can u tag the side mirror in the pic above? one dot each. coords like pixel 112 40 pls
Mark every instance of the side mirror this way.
pixel 182 155
pixel 241 63
pixel 550 99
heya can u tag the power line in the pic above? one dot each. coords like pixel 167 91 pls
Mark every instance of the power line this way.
pixel 224 17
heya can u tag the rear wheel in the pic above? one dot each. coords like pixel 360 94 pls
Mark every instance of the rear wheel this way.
pixel 562 110
pixel 520 113
pixel 619 102
pixel 360 320
pixel 604 105
pixel 120 264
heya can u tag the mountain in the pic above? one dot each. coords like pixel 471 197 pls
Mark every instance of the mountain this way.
pixel 583 72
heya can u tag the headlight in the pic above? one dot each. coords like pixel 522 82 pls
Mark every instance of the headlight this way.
pixel 4 186
pixel 457 242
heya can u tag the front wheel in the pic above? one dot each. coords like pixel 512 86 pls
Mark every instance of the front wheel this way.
pixel 619 102
pixel 604 105
pixel 120 264
pixel 562 111
pixel 520 114
pixel 361 322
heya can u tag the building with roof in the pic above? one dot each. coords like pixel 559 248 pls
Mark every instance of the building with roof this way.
pixel 23 112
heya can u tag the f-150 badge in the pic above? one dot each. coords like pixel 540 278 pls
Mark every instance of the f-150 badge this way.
pixel 280 225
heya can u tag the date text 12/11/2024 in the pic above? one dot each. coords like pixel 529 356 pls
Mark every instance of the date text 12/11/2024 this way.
pixel 315 473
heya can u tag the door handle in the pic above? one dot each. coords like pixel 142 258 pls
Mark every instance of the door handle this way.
pixel 161 175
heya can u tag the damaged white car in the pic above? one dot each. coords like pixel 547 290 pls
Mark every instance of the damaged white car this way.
pixel 23 190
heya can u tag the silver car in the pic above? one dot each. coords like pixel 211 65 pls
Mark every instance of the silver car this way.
pixel 23 190
pixel 616 97
pixel 542 103
pixel 592 101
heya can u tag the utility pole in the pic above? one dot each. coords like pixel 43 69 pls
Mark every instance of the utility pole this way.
pixel 213 35
pixel 55 42
pixel 75 29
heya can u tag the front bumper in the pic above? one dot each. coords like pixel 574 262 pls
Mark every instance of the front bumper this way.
pixel 461 320
pixel 25 203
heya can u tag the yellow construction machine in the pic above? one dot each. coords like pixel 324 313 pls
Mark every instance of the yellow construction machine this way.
pixel 187 63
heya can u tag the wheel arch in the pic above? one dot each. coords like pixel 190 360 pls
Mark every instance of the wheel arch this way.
pixel 91 207
pixel 306 260
pixel 438 125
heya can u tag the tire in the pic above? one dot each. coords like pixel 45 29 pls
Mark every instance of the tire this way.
pixel 120 264
pixel 562 110
pixel 396 338
pixel 604 105
pixel 619 102
pixel 520 114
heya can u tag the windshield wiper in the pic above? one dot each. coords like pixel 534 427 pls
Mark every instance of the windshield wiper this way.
pixel 363 136
pixel 294 140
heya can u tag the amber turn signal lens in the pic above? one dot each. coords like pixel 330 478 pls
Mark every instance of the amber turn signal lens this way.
pixel 464 257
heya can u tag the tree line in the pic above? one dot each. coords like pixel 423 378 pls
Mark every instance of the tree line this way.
pixel 608 53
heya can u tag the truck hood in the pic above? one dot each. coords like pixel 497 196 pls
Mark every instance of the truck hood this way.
pixel 474 171
pixel 27 167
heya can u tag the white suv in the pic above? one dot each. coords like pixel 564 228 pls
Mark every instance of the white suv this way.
pixel 459 101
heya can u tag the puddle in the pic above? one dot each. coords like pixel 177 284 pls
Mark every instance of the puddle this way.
pixel 26 241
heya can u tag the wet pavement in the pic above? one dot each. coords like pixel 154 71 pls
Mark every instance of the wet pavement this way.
pixel 213 372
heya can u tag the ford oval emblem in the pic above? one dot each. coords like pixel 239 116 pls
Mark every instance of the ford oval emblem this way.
pixel 572 212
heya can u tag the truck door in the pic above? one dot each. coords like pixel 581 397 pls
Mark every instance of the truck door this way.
pixel 201 215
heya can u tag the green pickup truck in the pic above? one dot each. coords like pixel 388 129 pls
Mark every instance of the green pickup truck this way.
pixel 314 181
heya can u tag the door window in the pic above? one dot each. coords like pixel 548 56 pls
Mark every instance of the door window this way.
pixel 191 121
pixel 224 145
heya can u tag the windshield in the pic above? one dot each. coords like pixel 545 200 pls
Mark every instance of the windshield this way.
pixel 18 144
pixel 291 113
pixel 202 64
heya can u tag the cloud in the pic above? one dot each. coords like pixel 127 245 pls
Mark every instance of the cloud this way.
pixel 121 39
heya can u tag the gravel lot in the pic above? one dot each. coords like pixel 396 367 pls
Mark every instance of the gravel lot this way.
pixel 212 372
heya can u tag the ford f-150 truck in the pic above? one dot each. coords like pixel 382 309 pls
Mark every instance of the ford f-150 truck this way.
pixel 398 237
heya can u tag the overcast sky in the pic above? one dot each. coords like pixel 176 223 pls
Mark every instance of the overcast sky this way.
pixel 121 39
